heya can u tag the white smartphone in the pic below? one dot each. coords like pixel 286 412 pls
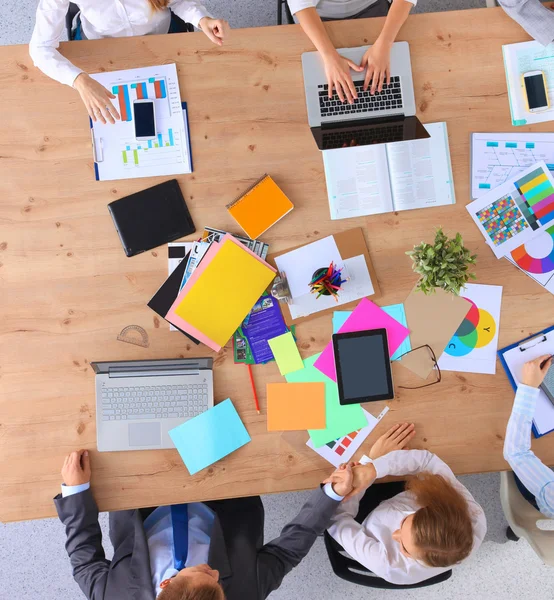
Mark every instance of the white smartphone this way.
pixel 536 91
pixel 144 116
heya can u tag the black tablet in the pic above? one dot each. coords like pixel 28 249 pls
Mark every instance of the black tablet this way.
pixel 363 366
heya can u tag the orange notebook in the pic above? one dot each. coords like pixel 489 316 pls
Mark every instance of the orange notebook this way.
pixel 260 207
pixel 295 406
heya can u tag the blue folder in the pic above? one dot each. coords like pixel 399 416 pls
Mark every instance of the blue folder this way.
pixel 501 353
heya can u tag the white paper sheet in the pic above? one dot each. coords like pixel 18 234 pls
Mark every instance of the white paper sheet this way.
pixel 473 348
pixel 515 359
pixel 299 265
pixel 343 449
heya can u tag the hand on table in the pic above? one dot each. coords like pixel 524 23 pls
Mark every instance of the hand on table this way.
pixel 96 98
pixel 216 29
pixel 376 61
pixel 396 438
pixel 76 468
pixel 337 70
pixel 532 374
pixel 341 480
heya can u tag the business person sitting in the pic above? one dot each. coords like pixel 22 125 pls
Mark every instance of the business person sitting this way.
pixel 108 18
pixel 376 61
pixel 535 17
pixel 418 534
pixel 535 480
pixel 198 551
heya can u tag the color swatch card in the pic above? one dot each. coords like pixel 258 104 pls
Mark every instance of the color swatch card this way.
pixel 473 347
pixel 366 315
pixel 210 436
pixel 260 207
pixel 343 449
pixel 515 212
pixel 286 353
pixel 340 420
pixel 295 406
pixel 220 292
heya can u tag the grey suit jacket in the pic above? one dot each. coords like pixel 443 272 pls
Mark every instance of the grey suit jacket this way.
pixel 249 570
pixel 536 19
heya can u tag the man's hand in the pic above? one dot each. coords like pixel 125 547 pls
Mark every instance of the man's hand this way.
pixel 216 29
pixel 76 468
pixel 396 438
pixel 337 70
pixel 341 480
pixel 532 374
pixel 377 62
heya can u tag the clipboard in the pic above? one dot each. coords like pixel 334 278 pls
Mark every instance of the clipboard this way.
pixel 350 243
pixel 529 342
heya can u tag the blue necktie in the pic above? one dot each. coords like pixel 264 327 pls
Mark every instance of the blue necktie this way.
pixel 180 522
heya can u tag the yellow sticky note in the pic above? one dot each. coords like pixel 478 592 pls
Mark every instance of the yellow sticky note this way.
pixel 225 292
pixel 286 353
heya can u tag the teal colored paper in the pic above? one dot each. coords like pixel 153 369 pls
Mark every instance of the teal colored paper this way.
pixel 341 420
pixel 396 311
pixel 208 437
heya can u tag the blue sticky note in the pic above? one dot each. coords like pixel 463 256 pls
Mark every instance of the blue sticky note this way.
pixel 208 437
pixel 396 311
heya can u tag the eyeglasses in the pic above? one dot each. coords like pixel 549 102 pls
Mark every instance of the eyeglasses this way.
pixel 436 370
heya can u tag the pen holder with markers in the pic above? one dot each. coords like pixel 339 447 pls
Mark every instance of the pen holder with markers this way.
pixel 328 281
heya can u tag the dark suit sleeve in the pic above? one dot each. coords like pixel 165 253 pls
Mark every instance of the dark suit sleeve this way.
pixel 79 514
pixel 280 556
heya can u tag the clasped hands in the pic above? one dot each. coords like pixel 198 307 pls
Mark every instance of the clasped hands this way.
pixel 353 478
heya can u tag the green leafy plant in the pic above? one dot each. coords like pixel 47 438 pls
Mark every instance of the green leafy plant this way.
pixel 444 264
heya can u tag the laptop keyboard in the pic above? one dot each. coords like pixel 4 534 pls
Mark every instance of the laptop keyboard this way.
pixel 389 98
pixel 362 137
pixel 156 402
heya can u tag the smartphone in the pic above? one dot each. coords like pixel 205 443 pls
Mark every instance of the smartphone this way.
pixel 536 91
pixel 145 120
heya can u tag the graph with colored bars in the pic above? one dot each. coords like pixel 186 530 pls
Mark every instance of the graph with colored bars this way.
pixel 163 148
pixel 496 158
pixel 151 89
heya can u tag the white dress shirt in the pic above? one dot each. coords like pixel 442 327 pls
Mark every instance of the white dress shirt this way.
pixel 371 543
pixel 100 19
pixel 334 9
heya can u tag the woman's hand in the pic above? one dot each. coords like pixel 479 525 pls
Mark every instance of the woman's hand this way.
pixel 396 438
pixel 377 62
pixel 337 70
pixel 363 477
pixel 532 374
pixel 216 29
pixel 341 480
pixel 96 98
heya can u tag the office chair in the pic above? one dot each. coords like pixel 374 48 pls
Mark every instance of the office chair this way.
pixel 290 19
pixel 524 519
pixel 352 571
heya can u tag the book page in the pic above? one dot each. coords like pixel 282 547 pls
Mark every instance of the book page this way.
pixel 357 181
pixel 420 171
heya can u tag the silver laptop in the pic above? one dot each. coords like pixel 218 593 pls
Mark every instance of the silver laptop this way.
pixel 381 118
pixel 139 401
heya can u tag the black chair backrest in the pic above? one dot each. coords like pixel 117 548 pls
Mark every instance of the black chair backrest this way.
pixel 71 13
pixel 290 19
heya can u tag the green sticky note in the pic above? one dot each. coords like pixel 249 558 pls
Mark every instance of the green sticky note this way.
pixel 341 420
pixel 286 353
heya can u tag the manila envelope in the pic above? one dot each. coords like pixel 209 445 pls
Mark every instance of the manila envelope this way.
pixel 432 320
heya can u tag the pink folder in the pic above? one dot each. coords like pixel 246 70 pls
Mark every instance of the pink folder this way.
pixel 366 315
pixel 178 321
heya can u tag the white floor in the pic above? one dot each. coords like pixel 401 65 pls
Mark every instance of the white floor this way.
pixel 32 556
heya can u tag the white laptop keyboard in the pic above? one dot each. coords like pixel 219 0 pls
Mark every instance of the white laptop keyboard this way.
pixel 155 402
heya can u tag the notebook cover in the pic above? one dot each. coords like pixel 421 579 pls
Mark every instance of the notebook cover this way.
pixel 162 300
pixel 260 207
pixel 151 217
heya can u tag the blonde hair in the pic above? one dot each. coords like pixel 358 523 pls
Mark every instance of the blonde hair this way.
pixel 158 4
pixel 441 528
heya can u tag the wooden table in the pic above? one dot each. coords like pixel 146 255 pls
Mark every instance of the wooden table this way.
pixel 67 288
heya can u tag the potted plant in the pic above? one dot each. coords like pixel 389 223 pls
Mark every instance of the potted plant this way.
pixel 444 264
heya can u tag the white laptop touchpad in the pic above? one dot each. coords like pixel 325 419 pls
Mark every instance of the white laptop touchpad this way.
pixel 145 434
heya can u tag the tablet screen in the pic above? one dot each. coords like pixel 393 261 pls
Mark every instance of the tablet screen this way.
pixel 363 367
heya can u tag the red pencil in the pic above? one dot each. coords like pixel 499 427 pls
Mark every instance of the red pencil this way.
pixel 253 388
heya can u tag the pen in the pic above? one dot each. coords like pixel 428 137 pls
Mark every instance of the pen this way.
pixel 253 388
pixel 545 361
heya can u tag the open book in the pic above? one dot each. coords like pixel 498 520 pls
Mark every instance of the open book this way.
pixel 370 180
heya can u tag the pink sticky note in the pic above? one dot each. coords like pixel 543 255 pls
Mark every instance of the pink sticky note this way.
pixel 366 315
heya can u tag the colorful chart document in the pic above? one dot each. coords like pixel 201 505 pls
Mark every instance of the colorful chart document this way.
pixel 513 213
pixel 286 353
pixel 210 436
pixel 117 153
pixel 295 406
pixel 473 347
pixel 340 420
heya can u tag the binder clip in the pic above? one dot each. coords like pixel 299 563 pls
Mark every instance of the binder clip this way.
pixel 280 289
